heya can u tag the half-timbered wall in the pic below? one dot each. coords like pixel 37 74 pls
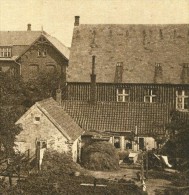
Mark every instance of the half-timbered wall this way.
pixel 165 93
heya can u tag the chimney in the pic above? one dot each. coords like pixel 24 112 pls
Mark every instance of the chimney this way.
pixel 118 73
pixel 93 83
pixel 76 21
pixel 185 73
pixel 29 27
pixel 158 74
pixel 59 96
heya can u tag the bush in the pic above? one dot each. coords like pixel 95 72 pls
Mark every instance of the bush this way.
pixel 100 156
pixel 59 161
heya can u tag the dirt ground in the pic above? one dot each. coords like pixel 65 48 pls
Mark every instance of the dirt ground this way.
pixel 130 174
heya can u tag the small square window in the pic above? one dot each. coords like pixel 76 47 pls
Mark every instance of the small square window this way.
pixel 150 96
pixel 122 95
pixel 37 118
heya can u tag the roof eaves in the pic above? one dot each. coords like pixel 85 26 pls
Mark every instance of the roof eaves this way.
pixel 53 121
pixel 67 58
pixel 27 49
pixel 45 35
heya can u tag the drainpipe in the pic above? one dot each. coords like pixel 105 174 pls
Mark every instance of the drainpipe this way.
pixel 93 83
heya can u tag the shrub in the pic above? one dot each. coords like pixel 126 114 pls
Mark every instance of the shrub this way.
pixel 100 156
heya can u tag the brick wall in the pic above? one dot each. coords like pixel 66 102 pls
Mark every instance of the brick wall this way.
pixel 53 57
pixel 166 93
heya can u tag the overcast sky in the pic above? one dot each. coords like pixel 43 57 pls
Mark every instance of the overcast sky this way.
pixel 57 16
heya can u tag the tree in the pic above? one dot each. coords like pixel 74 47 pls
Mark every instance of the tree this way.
pixel 179 136
pixel 16 96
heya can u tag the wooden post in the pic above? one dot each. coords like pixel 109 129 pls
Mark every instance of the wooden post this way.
pixel 136 133
pixel 142 167
pixel 146 163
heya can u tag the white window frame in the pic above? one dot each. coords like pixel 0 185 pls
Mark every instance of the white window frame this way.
pixel 124 94
pixel 5 52
pixel 150 94
pixel 180 99
pixel 42 52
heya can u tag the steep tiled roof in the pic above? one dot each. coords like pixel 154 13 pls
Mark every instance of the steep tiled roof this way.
pixel 10 38
pixel 138 47
pixel 21 40
pixel 18 40
pixel 59 46
pixel 119 117
pixel 60 118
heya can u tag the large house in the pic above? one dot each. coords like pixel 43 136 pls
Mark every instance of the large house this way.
pixel 125 78
pixel 29 53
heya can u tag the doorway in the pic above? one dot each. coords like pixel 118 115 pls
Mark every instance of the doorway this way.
pixel 141 143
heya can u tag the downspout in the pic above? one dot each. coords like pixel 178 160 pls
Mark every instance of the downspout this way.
pixel 20 68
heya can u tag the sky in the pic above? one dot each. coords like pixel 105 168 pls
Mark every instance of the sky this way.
pixel 56 17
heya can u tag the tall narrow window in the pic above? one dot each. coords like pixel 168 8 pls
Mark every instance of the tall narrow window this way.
pixel 182 99
pixel 122 95
pixel 117 142
pixel 150 96
pixel 42 52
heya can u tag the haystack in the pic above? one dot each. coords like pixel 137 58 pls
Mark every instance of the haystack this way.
pixel 100 156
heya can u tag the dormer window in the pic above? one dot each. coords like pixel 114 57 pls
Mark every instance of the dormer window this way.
pixel 150 96
pixel 122 95
pixel 182 99
pixel 5 52
pixel 42 52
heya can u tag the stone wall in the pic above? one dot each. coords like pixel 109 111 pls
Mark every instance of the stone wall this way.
pixel 40 130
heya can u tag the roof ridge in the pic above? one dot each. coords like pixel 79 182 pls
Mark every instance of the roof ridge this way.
pixel 147 24
pixel 53 120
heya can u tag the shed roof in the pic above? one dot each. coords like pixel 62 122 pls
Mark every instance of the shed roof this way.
pixel 60 118
pixel 138 47
pixel 119 117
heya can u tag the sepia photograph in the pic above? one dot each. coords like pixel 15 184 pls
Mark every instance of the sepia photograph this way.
pixel 94 97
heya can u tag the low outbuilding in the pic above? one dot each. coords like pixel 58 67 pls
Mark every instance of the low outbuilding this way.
pixel 47 125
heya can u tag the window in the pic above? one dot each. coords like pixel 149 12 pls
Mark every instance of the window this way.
pixel 122 95
pixel 41 144
pixel 128 144
pixel 5 52
pixel 117 142
pixel 50 68
pixel 42 52
pixel 37 118
pixel 150 96
pixel 34 70
pixel 182 99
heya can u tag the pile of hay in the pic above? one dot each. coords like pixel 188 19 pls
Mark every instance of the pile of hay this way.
pixel 100 156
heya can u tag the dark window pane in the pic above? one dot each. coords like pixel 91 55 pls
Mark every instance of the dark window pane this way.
pixel 147 99
pixel 186 103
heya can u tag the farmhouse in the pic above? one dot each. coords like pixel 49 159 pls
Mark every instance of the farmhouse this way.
pixel 128 78
pixel 29 53
pixel 46 125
